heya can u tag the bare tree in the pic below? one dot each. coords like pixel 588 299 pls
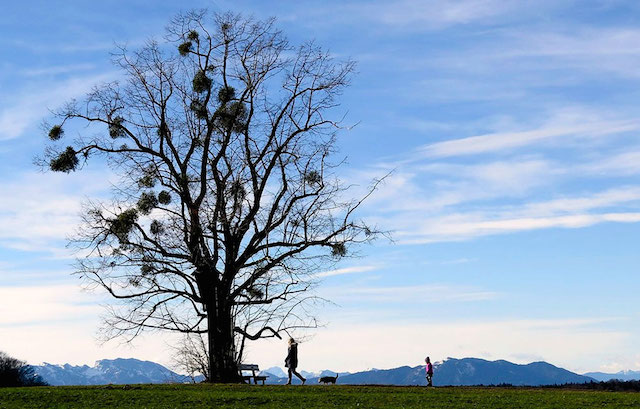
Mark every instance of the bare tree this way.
pixel 191 356
pixel 228 200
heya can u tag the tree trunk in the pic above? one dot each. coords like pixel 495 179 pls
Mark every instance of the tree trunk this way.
pixel 223 367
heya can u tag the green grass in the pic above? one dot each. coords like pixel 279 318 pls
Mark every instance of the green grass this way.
pixel 280 397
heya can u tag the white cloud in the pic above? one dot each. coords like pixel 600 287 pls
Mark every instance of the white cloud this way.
pixel 439 14
pixel 493 183
pixel 429 189
pixel 39 209
pixel 599 200
pixel 464 226
pixel 59 324
pixel 55 70
pixel 24 306
pixel 500 141
pixel 29 108
pixel 494 198
pixel 625 163
pixel 590 49
pixel 414 294
pixel 347 270
pixel 76 343
pixel 604 41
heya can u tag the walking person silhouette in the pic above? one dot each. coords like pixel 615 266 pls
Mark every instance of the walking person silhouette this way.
pixel 429 370
pixel 291 361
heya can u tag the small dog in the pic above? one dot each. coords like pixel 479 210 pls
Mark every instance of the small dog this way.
pixel 328 379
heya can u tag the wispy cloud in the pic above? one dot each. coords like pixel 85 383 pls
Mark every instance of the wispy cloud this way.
pixel 622 163
pixel 500 141
pixel 440 14
pixel 56 70
pixel 30 107
pixel 39 210
pixel 565 212
pixel 347 270
pixel 47 304
pixel 464 227
pixel 412 294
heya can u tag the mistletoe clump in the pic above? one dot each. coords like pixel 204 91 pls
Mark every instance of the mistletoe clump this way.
pixel 122 224
pixel 199 108
pixel 313 178
pixel 156 228
pixel 232 117
pixel 147 181
pixel 201 83
pixel 164 197
pixel 338 250
pixel 66 161
pixel 185 48
pixel 226 94
pixel 56 132
pixel 237 190
pixel 146 269
pixel 193 35
pixel 147 202
pixel 116 129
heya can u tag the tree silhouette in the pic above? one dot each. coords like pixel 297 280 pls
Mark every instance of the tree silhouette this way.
pixel 14 372
pixel 227 201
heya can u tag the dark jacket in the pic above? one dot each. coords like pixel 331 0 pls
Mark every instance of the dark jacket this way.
pixel 291 361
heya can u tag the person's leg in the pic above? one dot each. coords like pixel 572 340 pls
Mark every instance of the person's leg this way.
pixel 299 376
pixel 289 381
pixel 429 377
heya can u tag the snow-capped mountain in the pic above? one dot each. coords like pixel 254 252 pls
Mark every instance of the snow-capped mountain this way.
pixel 274 371
pixel 116 371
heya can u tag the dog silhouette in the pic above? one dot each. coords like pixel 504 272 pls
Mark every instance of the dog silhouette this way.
pixel 328 379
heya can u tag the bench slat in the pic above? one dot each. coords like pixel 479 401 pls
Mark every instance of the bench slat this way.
pixel 253 368
pixel 248 367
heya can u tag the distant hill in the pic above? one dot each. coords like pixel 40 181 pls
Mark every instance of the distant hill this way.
pixel 467 371
pixel 622 376
pixel 116 371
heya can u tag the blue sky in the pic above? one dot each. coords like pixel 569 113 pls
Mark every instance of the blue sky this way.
pixel 512 131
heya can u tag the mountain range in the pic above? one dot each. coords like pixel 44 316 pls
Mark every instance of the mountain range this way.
pixel 621 376
pixel 466 371
pixel 106 371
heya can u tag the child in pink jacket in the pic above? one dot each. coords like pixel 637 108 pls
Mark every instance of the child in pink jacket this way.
pixel 429 369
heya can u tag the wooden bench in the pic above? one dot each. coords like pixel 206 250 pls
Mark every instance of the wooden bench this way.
pixel 254 373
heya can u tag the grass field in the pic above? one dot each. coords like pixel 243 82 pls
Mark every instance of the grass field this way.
pixel 245 396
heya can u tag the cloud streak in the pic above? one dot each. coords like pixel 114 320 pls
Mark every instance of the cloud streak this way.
pixel 412 294
pixel 347 270
pixel 500 141
pixel 30 107
pixel 39 210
